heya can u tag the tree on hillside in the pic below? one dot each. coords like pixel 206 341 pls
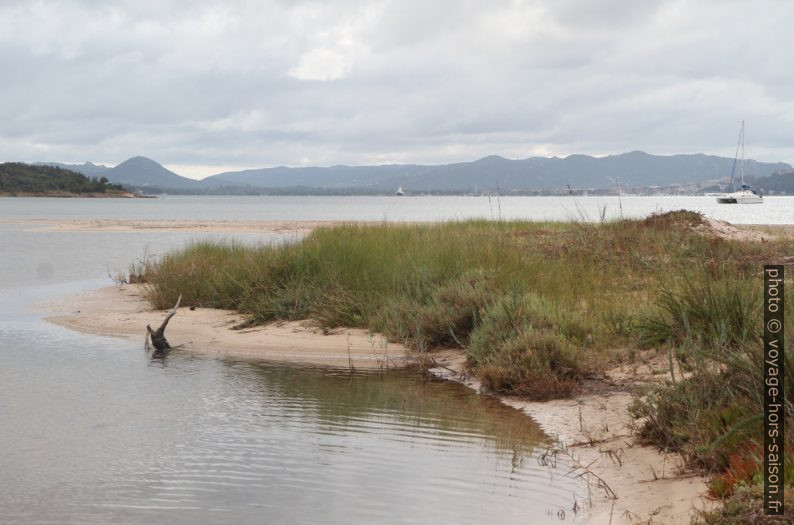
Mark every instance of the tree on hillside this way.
pixel 16 177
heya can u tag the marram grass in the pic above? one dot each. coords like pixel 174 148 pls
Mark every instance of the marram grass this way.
pixel 569 292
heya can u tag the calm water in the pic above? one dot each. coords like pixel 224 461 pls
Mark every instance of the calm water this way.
pixel 774 210
pixel 93 432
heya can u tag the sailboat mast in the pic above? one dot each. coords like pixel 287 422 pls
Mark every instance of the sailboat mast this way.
pixel 742 154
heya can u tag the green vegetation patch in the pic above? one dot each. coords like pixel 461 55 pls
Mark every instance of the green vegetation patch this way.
pixel 16 178
pixel 531 302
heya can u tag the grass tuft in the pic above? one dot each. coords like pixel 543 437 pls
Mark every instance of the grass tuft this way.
pixel 704 310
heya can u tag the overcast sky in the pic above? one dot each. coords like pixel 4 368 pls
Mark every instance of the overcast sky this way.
pixel 204 87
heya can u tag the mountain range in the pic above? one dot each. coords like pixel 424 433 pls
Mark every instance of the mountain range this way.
pixel 632 170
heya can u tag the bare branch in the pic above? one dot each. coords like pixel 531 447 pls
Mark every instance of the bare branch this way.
pixel 161 330
pixel 159 341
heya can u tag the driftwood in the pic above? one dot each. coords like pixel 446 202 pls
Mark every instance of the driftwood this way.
pixel 159 341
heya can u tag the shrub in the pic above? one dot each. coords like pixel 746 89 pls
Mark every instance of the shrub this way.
pixel 522 348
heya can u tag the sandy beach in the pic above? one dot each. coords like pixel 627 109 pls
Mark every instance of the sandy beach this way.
pixel 629 483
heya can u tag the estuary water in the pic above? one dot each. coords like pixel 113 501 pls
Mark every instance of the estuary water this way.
pixel 91 431
pixel 774 210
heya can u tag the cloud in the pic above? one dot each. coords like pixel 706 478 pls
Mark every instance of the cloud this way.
pixel 260 83
pixel 321 64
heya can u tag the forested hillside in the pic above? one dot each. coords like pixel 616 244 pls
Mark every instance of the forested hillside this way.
pixel 779 183
pixel 18 178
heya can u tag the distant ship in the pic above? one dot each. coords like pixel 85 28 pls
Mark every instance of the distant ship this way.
pixel 745 195
pixel 399 191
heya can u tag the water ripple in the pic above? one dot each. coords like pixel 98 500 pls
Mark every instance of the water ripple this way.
pixel 95 434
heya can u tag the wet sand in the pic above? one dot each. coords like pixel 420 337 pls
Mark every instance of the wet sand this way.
pixel 123 311
pixel 644 485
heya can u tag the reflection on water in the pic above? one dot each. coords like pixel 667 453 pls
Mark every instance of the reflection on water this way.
pixel 448 413
pixel 94 431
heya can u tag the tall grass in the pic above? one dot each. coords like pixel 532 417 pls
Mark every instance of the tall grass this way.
pixel 567 292
pixel 708 309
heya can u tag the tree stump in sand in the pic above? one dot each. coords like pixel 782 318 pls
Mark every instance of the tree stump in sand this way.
pixel 159 341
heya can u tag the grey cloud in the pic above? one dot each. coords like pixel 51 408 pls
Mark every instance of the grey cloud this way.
pixel 239 83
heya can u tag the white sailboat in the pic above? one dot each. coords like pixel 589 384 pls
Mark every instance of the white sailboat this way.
pixel 744 195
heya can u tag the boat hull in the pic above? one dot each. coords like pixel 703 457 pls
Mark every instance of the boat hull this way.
pixel 740 200
pixel 743 196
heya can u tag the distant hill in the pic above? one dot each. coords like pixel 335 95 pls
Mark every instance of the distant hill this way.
pixel 635 169
pixel 136 172
pixel 17 178
pixel 88 169
pixel 141 172
pixel 317 177
pixel 781 182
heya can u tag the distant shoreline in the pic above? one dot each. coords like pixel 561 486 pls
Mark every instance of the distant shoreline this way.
pixel 169 225
pixel 70 195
